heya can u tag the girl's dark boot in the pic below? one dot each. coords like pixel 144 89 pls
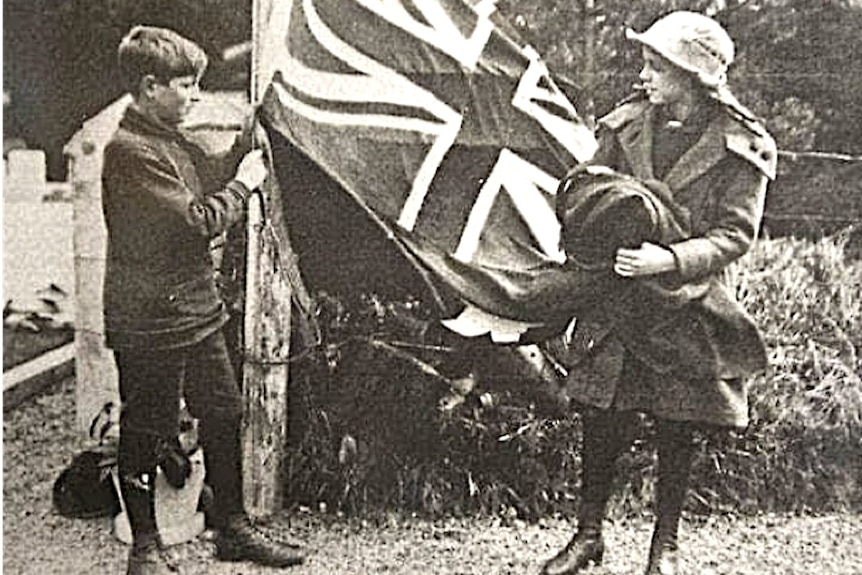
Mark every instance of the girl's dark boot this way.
pixel 586 546
pixel 675 450
pixel 606 434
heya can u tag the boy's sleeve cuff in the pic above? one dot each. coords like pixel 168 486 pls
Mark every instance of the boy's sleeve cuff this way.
pixel 238 189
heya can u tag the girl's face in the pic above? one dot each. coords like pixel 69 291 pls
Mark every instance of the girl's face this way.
pixel 664 83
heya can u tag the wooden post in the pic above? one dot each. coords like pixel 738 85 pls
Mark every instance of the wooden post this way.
pixel 267 325
pixel 265 369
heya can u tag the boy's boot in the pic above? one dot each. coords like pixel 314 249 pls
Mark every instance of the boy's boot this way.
pixel 147 555
pixel 675 454
pixel 605 435
pixel 238 538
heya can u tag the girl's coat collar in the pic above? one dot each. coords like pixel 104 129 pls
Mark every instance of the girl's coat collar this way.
pixel 633 123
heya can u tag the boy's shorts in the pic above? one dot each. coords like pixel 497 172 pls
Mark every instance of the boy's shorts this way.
pixel 153 381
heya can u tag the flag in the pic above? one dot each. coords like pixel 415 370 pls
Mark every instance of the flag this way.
pixel 439 123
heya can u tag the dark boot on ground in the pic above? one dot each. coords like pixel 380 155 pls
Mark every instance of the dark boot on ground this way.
pixel 675 452
pixel 584 549
pixel 240 540
pixel 149 559
pixel 606 435
pixel 147 555
pixel 663 556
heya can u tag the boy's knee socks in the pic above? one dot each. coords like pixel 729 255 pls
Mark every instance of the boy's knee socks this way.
pixel 223 460
pixel 139 498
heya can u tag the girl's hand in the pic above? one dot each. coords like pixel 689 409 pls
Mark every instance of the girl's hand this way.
pixel 649 259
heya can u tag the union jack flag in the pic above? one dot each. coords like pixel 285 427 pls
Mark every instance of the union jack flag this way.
pixel 444 127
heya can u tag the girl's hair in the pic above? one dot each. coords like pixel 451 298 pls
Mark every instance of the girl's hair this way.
pixel 162 53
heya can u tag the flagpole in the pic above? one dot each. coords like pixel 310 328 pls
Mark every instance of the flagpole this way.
pixel 266 337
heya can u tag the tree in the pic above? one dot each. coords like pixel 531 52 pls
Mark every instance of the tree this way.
pixel 801 70
pixel 795 64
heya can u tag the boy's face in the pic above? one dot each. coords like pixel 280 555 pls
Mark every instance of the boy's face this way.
pixel 173 100
pixel 665 84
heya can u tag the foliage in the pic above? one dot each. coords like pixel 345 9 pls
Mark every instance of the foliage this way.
pixel 794 58
pixel 802 49
pixel 377 428
pixel 795 66
pixel 813 197
pixel 390 419
pixel 59 58
pixel 800 451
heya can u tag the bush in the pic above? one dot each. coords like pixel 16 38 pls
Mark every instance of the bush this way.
pixel 801 449
pixel 386 415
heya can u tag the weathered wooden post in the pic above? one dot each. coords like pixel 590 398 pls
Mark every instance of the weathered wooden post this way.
pixel 267 322
pixel 265 369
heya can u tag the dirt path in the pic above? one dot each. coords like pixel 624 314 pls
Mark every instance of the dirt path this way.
pixel 39 440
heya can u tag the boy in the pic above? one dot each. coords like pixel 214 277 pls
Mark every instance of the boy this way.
pixel 163 201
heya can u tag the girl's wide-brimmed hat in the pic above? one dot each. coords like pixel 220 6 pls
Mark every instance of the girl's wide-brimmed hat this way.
pixel 693 42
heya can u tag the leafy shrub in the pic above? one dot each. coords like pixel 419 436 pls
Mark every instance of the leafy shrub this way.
pixel 387 414
pixel 801 450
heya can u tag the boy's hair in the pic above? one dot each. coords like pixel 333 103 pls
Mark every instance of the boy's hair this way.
pixel 162 53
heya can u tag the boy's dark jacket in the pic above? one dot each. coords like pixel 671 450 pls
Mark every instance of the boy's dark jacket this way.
pixel 163 201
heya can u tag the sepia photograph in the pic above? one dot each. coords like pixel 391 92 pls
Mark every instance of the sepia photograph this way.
pixel 432 287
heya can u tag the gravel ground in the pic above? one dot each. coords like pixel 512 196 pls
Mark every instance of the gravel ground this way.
pixel 39 440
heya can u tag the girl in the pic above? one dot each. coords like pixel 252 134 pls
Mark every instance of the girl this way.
pixel 685 366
